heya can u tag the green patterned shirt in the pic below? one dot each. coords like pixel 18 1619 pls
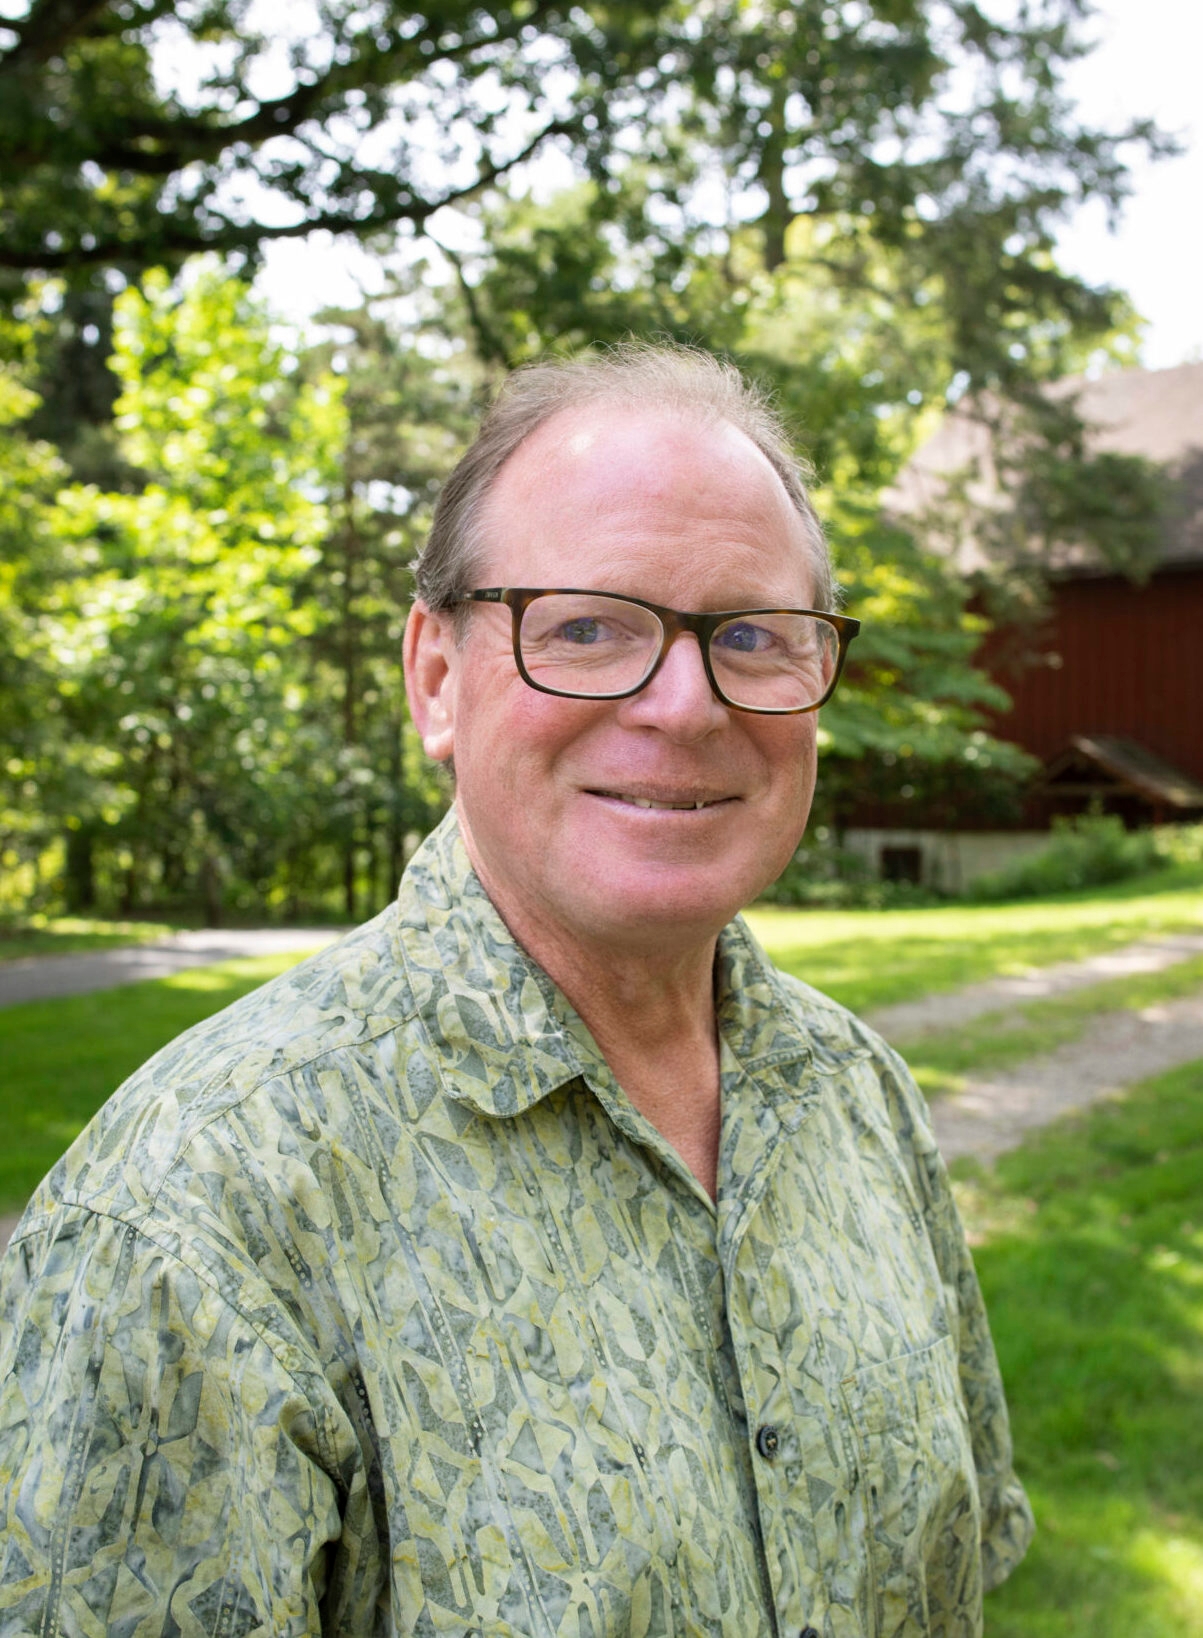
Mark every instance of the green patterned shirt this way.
pixel 372 1305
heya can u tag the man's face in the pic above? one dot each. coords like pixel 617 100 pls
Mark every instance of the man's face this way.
pixel 689 515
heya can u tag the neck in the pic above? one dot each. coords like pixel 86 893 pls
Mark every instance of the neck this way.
pixel 651 1012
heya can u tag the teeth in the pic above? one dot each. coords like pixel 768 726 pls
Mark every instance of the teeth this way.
pixel 674 807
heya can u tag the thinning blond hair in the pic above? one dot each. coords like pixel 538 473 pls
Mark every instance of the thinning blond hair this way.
pixel 638 375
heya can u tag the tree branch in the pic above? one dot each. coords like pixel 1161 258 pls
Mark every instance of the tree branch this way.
pixel 171 143
pixel 50 25
pixel 492 348
pixel 180 238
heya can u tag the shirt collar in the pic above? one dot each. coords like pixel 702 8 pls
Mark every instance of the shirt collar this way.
pixel 506 1036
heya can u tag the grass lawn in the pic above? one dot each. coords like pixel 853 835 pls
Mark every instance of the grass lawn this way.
pixel 871 958
pixel 66 935
pixel 63 1058
pixel 1091 1257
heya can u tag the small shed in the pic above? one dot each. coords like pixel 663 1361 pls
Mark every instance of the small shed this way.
pixel 1120 776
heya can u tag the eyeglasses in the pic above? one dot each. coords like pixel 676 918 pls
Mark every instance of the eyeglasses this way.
pixel 586 645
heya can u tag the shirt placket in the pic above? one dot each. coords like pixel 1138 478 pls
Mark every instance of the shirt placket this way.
pixel 755 1349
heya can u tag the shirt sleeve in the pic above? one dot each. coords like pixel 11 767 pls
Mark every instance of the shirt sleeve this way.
pixel 165 1465
pixel 1007 1522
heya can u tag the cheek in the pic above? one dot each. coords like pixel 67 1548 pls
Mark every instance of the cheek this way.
pixel 542 731
pixel 514 743
pixel 789 747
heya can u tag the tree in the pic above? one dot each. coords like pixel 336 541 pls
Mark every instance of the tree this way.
pixel 410 402
pixel 373 118
pixel 861 359
pixel 175 616
pixel 136 132
pixel 204 666
pixel 30 567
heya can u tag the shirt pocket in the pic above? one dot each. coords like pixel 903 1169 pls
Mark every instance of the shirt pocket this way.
pixel 919 1492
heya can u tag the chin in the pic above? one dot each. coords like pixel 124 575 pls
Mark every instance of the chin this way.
pixel 657 901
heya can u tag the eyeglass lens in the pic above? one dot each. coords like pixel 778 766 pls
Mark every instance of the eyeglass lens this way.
pixel 592 645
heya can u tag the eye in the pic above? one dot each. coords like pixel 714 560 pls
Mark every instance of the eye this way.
pixel 743 637
pixel 586 628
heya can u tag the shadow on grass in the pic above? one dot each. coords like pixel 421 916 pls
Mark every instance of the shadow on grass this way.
pixel 1092 1263
pixel 63 1058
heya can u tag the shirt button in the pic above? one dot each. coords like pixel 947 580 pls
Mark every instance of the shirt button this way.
pixel 768 1441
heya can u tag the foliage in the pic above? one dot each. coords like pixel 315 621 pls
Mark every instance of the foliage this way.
pixel 852 363
pixel 1086 851
pixel 134 134
pixel 409 409
pixel 1180 844
pixel 821 874
pixel 29 473
pixel 1091 1258
pixel 180 606
pixel 183 632
pixel 76 388
pixel 1037 494
pixel 854 203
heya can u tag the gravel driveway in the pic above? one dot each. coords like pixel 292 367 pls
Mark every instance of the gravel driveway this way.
pixel 995 1113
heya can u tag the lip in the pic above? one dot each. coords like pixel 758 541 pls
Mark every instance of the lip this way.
pixel 692 803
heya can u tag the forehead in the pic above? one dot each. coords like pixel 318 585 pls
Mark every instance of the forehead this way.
pixel 617 491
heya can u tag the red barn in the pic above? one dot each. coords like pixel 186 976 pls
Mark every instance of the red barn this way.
pixel 1108 691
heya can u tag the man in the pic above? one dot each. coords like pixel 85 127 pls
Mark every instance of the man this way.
pixel 539 1260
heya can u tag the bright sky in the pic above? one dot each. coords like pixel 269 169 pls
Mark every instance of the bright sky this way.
pixel 1149 62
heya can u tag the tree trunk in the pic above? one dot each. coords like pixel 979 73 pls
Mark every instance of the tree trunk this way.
pixel 210 885
pixel 396 833
pixel 81 871
pixel 771 176
pixel 129 890
pixel 349 875
pixel 350 681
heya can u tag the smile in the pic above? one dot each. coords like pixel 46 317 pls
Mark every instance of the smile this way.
pixel 672 807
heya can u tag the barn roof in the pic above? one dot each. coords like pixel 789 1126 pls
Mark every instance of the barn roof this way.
pixel 1154 413
pixel 1099 764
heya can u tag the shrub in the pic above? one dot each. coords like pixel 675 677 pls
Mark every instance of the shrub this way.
pixel 822 876
pixel 1088 851
pixel 1180 844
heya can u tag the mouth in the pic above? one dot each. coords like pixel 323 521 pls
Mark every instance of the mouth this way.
pixel 665 804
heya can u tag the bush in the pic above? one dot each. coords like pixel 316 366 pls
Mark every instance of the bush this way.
pixel 1088 851
pixel 820 876
pixel 1180 844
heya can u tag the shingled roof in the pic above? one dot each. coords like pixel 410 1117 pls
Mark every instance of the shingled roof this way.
pixel 1154 413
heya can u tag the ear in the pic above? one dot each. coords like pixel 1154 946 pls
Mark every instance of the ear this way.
pixel 431 670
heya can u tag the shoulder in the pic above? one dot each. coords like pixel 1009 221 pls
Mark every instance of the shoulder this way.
pixel 225 1081
pixel 857 1072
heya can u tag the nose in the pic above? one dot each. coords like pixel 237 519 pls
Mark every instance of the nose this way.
pixel 679 700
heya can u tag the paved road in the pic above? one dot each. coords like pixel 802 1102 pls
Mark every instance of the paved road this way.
pixel 37 978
